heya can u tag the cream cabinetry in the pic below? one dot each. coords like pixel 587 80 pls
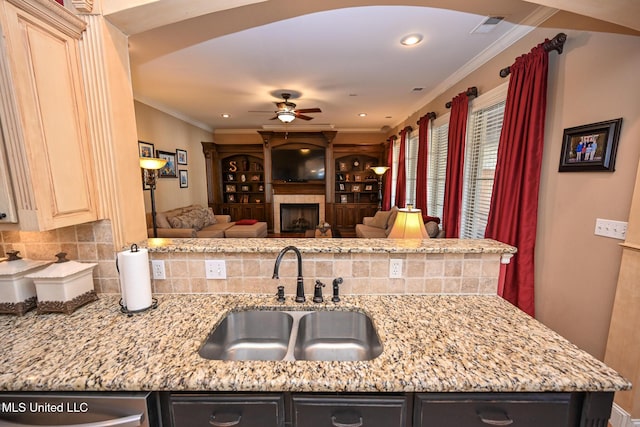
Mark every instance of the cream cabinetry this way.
pixel 43 116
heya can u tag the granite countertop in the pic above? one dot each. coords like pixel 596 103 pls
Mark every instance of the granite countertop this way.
pixel 432 343
pixel 262 245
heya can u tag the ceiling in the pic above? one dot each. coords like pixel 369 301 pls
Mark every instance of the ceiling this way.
pixel 237 56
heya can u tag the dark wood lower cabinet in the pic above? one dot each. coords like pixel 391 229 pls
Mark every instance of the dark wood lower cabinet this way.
pixel 493 409
pixel 578 409
pixel 225 410
pixel 350 411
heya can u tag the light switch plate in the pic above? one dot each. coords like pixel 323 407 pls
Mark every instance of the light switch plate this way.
pixel 215 269
pixel 611 228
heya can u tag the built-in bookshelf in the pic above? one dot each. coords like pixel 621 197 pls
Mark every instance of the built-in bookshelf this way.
pixel 243 179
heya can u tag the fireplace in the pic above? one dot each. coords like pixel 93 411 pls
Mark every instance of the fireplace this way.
pixel 298 217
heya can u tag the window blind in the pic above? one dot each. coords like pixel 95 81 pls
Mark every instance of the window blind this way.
pixel 436 173
pixel 411 167
pixel 480 164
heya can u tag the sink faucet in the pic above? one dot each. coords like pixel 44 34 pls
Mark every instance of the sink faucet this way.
pixel 300 283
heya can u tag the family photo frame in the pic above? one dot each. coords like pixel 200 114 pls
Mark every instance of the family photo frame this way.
pixel 591 147
pixel 169 170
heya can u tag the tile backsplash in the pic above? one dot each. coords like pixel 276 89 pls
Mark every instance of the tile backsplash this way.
pixel 363 273
pixel 91 242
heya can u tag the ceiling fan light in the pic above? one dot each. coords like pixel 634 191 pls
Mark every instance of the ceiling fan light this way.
pixel 286 116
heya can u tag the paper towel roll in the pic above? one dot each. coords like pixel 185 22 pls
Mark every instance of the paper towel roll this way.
pixel 135 280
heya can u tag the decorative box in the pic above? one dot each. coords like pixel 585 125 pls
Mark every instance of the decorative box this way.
pixel 17 292
pixel 64 286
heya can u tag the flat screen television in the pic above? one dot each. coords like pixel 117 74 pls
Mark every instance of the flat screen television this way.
pixel 297 163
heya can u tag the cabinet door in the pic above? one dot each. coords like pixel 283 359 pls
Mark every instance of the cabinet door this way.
pixel 227 410
pixel 490 409
pixel 349 411
pixel 45 119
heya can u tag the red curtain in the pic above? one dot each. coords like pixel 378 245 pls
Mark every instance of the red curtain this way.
pixel 455 165
pixel 422 166
pixel 514 203
pixel 386 195
pixel 401 180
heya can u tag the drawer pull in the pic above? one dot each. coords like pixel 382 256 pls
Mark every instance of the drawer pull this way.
pixel 336 423
pixel 233 420
pixel 495 418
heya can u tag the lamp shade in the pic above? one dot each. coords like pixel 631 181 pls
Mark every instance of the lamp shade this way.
pixel 379 170
pixel 408 225
pixel 152 163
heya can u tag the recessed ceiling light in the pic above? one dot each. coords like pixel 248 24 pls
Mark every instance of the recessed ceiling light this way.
pixel 225 115
pixel 362 114
pixel 411 39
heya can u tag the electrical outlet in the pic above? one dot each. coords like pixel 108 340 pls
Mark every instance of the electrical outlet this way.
pixel 395 268
pixel 610 228
pixel 157 266
pixel 215 269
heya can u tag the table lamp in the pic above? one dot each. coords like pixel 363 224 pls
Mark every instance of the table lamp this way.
pixel 408 225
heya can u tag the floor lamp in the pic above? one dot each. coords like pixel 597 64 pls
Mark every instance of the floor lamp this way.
pixel 150 165
pixel 380 171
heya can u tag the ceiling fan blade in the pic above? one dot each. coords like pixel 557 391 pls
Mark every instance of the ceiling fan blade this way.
pixel 300 116
pixel 273 118
pixel 260 111
pixel 309 110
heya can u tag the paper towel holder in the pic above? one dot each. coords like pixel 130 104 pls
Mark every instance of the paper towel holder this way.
pixel 123 307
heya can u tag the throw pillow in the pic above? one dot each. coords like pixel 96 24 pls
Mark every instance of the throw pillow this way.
pixel 246 222
pixel 189 219
pixel 380 219
pixel 392 219
pixel 211 218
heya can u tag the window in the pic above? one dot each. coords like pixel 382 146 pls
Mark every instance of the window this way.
pixel 437 170
pixel 481 156
pixel 411 167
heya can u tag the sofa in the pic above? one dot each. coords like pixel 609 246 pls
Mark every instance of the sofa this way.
pixel 197 221
pixel 379 226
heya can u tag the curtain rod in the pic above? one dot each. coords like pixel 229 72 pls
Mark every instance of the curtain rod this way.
pixel 556 43
pixel 429 116
pixel 472 92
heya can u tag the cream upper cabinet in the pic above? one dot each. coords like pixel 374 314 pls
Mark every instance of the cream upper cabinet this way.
pixel 43 117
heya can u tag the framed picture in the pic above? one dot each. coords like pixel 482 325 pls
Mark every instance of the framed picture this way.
pixel 368 187
pixel 244 188
pixel 169 170
pixel 145 149
pixel 355 188
pixel 343 198
pixel 230 188
pixel 342 166
pixel 231 198
pixel 339 177
pixel 181 156
pixel 184 178
pixel 341 187
pixel 255 177
pixel 357 178
pixel 231 177
pixel 590 147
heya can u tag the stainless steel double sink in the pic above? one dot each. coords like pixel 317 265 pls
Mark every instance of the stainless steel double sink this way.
pixel 293 335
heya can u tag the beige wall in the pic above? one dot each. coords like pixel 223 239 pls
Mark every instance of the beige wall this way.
pixel 168 133
pixel 576 271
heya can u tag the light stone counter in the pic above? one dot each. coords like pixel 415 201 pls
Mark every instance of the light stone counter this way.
pixel 431 343
pixel 363 246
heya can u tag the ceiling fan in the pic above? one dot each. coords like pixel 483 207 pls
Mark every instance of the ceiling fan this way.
pixel 287 112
